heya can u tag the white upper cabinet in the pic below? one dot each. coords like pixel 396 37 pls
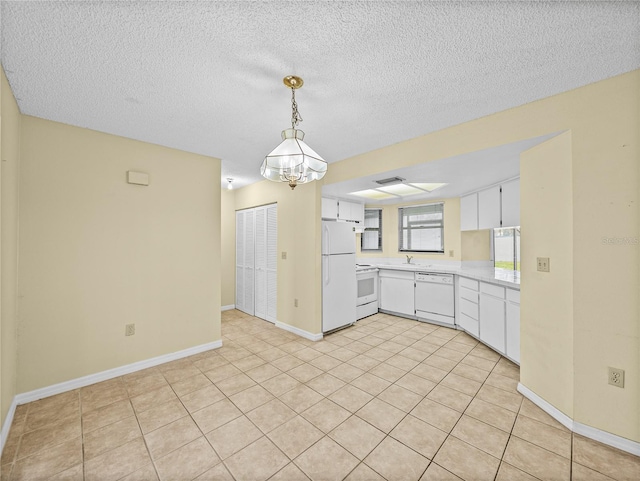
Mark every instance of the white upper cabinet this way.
pixel 489 208
pixel 343 210
pixel 350 211
pixel 511 203
pixel 329 208
pixel 469 212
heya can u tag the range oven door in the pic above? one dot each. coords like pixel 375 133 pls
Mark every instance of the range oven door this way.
pixel 367 287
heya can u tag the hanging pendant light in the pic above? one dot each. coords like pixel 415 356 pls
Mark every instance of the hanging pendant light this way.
pixel 293 161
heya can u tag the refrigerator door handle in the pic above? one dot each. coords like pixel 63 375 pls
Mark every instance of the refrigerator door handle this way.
pixel 327 270
pixel 327 239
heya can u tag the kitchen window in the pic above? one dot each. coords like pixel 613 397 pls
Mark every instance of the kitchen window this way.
pixel 506 248
pixel 371 239
pixel 421 228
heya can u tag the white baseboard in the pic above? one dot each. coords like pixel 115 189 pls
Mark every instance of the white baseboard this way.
pixel 228 308
pixel 548 408
pixel 111 373
pixel 299 332
pixel 6 426
pixel 603 437
pixel 94 378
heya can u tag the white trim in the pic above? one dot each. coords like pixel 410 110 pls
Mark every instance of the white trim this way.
pixel 111 373
pixel 299 332
pixel 94 378
pixel 604 437
pixel 228 308
pixel 548 408
pixel 596 434
pixel 6 426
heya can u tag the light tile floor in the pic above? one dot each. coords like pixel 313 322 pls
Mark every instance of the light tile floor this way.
pixel 388 399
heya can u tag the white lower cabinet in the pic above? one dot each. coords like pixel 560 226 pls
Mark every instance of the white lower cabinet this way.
pixel 498 316
pixel 492 321
pixel 397 292
pixel 513 325
pixel 468 313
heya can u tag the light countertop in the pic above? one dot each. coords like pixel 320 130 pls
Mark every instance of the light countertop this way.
pixel 503 277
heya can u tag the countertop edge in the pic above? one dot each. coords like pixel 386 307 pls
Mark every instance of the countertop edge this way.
pixel 479 274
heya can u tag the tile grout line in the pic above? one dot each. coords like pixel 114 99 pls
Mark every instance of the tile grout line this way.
pixel 262 334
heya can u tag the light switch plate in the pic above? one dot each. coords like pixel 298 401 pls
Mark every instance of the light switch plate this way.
pixel 138 178
pixel 543 264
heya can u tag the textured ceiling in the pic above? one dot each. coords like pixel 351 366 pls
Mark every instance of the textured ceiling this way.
pixel 206 77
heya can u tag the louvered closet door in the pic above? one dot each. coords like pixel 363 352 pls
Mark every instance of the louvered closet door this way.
pixel 249 262
pixel 261 262
pixel 240 260
pixel 272 263
pixel 257 261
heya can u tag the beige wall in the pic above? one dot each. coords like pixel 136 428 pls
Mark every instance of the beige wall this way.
pixel 10 152
pixel 97 253
pixel 228 246
pixel 606 279
pixel 476 245
pixel 390 232
pixel 605 130
pixel 547 231
pixel 299 236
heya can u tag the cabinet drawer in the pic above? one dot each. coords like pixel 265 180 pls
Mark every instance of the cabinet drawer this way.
pixel 469 309
pixel 513 296
pixel 492 290
pixel 469 295
pixel 469 283
pixel 393 274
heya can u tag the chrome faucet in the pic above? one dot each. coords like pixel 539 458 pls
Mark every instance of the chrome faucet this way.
pixel 409 258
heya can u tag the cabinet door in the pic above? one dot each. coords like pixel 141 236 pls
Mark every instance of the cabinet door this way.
pixel 329 208
pixel 511 203
pixel 489 208
pixel 468 324
pixel 513 331
pixel 492 322
pixel 469 212
pixel 344 210
pixel 357 213
pixel 397 295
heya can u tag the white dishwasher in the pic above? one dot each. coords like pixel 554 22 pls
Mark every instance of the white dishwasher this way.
pixel 435 300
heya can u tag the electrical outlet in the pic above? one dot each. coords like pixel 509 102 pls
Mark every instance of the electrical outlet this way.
pixel 450 253
pixel 284 255
pixel 616 377
pixel 543 264
pixel 295 303
pixel 129 329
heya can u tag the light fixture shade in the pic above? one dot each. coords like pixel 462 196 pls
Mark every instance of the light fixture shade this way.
pixel 293 161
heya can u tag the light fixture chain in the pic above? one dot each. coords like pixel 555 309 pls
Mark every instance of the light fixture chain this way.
pixel 296 118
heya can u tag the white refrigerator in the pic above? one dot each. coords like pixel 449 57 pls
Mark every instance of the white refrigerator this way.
pixel 339 287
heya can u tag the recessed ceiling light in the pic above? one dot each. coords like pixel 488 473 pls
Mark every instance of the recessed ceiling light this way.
pixel 373 194
pixel 401 189
pixel 429 187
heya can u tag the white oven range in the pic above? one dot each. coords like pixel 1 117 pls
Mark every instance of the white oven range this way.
pixel 367 299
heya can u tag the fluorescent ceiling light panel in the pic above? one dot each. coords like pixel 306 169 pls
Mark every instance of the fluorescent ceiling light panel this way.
pixel 401 189
pixel 428 186
pixel 372 194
